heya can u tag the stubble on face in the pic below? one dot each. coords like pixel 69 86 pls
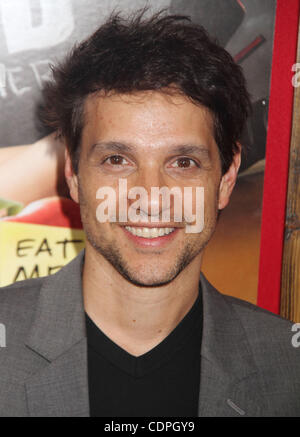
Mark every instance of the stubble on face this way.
pixel 110 251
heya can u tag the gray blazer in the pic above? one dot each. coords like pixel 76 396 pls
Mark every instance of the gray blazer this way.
pixel 248 364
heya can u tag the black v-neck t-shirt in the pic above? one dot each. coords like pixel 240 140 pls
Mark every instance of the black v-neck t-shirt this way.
pixel 162 382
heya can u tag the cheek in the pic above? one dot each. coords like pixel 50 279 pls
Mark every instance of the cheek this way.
pixel 211 195
pixel 87 198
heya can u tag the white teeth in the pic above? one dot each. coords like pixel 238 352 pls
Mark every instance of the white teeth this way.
pixel 149 232
pixel 160 232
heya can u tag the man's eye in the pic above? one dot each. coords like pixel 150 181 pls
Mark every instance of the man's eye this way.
pixel 116 160
pixel 184 163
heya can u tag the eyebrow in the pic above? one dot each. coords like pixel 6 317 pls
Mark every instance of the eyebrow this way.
pixel 181 149
pixel 190 149
pixel 111 145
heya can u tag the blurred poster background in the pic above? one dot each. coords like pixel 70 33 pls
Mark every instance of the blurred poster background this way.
pixel 37 33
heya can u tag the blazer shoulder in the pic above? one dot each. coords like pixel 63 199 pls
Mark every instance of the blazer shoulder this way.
pixel 268 334
pixel 19 299
pixel 249 312
pixel 264 329
pixel 21 287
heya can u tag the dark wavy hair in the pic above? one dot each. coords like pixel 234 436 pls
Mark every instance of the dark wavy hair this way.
pixel 163 52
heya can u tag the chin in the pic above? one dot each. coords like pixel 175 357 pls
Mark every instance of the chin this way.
pixel 148 281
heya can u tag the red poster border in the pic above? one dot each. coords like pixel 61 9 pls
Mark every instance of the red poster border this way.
pixel 277 154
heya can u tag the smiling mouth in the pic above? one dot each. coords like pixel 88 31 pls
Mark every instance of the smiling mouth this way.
pixel 149 233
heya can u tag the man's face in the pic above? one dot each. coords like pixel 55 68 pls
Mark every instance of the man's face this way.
pixel 149 139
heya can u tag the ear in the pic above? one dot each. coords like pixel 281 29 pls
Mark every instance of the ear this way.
pixel 228 179
pixel 71 177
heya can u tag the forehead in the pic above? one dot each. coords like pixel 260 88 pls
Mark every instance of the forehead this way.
pixel 150 117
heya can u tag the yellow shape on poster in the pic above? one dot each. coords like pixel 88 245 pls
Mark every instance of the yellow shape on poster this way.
pixel 32 251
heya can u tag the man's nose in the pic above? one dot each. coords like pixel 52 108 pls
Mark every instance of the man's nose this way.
pixel 149 180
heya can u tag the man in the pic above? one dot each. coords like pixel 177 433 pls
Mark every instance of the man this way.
pixel 131 327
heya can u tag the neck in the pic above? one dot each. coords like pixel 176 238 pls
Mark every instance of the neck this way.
pixel 136 318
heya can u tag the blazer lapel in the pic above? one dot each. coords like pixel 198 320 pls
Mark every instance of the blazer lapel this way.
pixel 229 379
pixel 60 388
